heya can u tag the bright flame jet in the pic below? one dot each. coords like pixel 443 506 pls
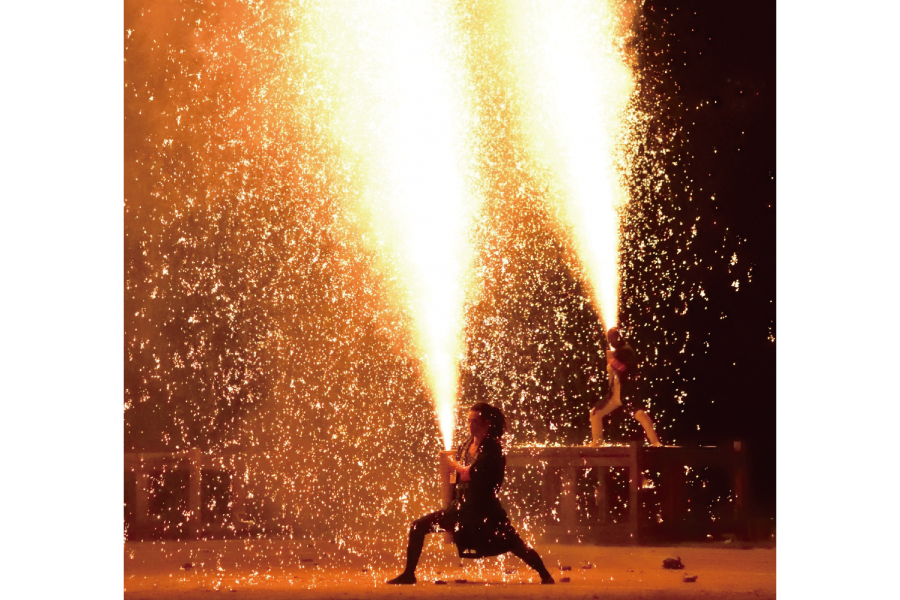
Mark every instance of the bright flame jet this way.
pixel 392 89
pixel 576 88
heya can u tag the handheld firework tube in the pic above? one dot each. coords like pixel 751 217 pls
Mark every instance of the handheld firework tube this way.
pixel 445 470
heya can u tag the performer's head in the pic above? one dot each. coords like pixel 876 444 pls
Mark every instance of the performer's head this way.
pixel 486 420
pixel 614 337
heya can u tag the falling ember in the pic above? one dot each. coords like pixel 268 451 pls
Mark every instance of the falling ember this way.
pixel 391 88
pixel 577 87
pixel 285 164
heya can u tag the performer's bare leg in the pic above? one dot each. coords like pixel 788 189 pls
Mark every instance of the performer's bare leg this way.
pixel 600 410
pixel 596 428
pixel 647 423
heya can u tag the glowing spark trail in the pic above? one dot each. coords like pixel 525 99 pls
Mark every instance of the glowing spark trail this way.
pixel 299 178
pixel 399 122
pixel 577 88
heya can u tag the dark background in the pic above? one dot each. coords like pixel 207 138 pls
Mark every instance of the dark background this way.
pixel 723 53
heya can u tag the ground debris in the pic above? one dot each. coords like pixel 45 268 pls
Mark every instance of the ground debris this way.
pixel 566 568
pixel 690 578
pixel 278 576
pixel 187 566
pixel 565 580
pixel 440 582
pixel 673 563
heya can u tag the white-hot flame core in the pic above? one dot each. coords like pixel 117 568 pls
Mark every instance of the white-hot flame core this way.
pixel 576 89
pixel 396 100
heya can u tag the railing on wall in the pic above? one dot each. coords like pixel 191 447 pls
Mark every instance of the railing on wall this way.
pixel 626 493
pixel 184 494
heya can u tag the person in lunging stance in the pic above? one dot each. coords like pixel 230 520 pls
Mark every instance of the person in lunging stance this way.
pixel 622 369
pixel 475 516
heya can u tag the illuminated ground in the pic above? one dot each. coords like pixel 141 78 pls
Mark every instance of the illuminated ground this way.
pixel 275 569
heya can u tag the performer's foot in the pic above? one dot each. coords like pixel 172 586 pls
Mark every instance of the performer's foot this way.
pixel 548 578
pixel 403 578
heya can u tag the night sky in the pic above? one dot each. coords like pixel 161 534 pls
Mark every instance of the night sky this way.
pixel 723 53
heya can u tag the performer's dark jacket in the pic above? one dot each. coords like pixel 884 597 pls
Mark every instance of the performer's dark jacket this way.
pixel 626 355
pixel 483 528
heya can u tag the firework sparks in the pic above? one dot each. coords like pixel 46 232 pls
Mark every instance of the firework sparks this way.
pixel 578 87
pixel 400 124
pixel 300 180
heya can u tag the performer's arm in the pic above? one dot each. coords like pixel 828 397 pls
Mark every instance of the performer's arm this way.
pixel 463 471
pixel 488 468
pixel 617 365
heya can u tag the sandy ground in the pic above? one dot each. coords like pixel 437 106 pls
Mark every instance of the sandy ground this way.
pixel 272 569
